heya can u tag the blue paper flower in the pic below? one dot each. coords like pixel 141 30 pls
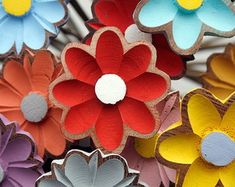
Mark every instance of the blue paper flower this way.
pixel 186 21
pixel 29 23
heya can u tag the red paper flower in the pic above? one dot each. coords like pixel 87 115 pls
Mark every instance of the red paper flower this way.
pixel 119 13
pixel 109 90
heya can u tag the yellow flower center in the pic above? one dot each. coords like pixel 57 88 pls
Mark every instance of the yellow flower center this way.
pixel 190 4
pixel 17 7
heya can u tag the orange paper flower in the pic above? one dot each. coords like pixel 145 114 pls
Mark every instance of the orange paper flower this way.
pixel 109 90
pixel 202 149
pixel 24 98
pixel 220 76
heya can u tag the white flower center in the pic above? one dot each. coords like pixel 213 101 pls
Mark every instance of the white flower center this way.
pixel 2 174
pixel 218 149
pixel 110 89
pixel 133 34
pixel 34 107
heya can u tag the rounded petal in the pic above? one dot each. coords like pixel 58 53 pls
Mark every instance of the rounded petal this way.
pixel 109 52
pixel 52 11
pixel 14 115
pixel 157 12
pixel 186 30
pixel 7 39
pixel 227 174
pixel 82 117
pixel 34 33
pixel 182 149
pixel 221 93
pixel 109 128
pixel 228 120
pixel 77 170
pixel 202 114
pixel 18 149
pixel 147 87
pixel 45 182
pixel 16 76
pixel 82 65
pixel 73 92
pixel 135 62
pixel 205 174
pixel 225 17
pixel 42 71
pixel 21 174
pixel 108 176
pixel 136 116
pixel 55 145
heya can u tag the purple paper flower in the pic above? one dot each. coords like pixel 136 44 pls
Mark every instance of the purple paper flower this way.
pixel 19 165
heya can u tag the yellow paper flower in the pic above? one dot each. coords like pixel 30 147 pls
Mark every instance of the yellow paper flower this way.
pixel 202 149
pixel 220 76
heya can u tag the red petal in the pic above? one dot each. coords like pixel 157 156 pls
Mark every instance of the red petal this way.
pixel 73 92
pixel 116 13
pixel 109 128
pixel 135 62
pixel 82 65
pixel 147 87
pixel 167 60
pixel 109 52
pixel 137 116
pixel 82 117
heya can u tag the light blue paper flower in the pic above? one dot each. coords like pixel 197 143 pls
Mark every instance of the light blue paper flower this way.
pixel 31 26
pixel 185 22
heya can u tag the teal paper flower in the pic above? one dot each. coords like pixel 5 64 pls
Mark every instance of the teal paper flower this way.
pixel 28 24
pixel 186 21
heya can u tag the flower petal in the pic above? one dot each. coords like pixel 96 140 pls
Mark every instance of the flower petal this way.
pixel 182 148
pixel 82 117
pixel 202 114
pixel 225 17
pixel 46 182
pixel 73 92
pixel 77 170
pixel 136 116
pixel 221 93
pixel 157 12
pixel 227 174
pixel 55 145
pixel 42 71
pixel 186 30
pixel 82 65
pixel 16 76
pixel 18 149
pixel 205 174
pixel 21 174
pixel 7 39
pixel 14 115
pixel 135 62
pixel 109 128
pixel 109 52
pixel 228 120
pixel 34 33
pixel 147 87
pixel 52 11
pixel 108 176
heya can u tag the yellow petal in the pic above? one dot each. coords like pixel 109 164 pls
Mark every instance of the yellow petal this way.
pixel 201 174
pixel 217 83
pixel 221 93
pixel 227 175
pixel 228 120
pixel 202 114
pixel 182 148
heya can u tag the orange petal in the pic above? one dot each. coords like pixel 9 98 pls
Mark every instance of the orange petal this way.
pixel 55 113
pixel 15 75
pixel 27 65
pixel 54 140
pixel 15 115
pixel 220 92
pixel 42 71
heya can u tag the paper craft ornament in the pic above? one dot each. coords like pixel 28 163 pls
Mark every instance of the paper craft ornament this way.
pixel 143 158
pixel 109 90
pixel 220 75
pixel 20 165
pixel 119 13
pixel 202 148
pixel 89 170
pixel 24 98
pixel 186 22
pixel 28 24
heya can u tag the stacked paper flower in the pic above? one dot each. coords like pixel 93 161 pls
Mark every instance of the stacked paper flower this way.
pixel 103 85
